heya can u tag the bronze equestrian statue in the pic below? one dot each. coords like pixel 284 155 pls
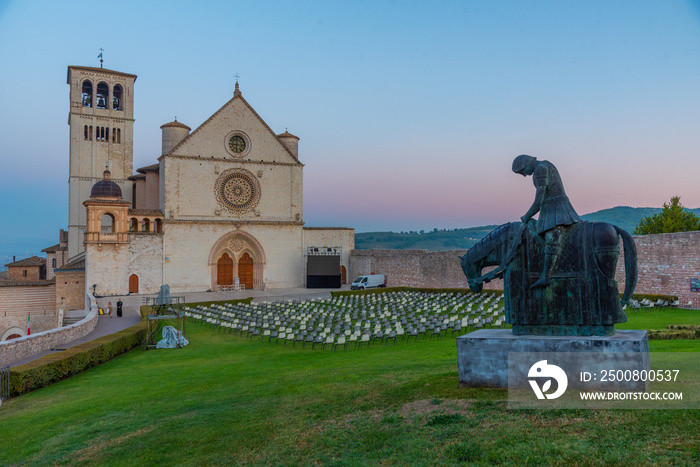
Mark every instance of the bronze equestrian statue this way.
pixel 558 271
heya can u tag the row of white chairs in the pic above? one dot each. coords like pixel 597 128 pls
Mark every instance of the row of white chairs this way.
pixel 330 323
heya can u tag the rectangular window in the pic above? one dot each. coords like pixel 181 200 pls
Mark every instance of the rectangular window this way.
pixel 695 285
pixel 24 273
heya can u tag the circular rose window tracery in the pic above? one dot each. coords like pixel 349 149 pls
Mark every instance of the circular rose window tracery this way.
pixel 237 244
pixel 237 190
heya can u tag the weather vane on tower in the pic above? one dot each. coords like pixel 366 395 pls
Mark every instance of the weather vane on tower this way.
pixel 100 56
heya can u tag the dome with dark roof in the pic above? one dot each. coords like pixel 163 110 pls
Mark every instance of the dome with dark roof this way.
pixel 106 188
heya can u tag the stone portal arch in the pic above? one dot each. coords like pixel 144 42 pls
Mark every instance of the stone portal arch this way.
pixel 13 333
pixel 243 250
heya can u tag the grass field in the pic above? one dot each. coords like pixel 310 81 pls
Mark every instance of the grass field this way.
pixel 225 399
pixel 659 318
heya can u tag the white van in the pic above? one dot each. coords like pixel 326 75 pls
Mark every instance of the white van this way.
pixel 368 282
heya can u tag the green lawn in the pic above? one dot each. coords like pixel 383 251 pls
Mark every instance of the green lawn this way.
pixel 659 318
pixel 225 399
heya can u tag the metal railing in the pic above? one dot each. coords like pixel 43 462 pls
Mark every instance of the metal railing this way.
pixel 324 251
pixel 4 383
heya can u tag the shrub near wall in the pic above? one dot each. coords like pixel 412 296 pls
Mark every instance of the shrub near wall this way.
pixel 57 366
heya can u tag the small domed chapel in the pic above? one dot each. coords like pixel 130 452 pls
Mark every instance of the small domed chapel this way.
pixel 222 206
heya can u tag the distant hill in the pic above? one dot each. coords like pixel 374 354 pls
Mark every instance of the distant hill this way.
pixel 435 240
pixel 624 217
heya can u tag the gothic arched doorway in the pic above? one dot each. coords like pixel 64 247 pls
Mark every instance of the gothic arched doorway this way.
pixel 224 270
pixel 133 283
pixel 247 259
pixel 245 270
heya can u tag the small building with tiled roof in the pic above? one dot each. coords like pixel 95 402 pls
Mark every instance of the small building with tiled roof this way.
pixel 27 269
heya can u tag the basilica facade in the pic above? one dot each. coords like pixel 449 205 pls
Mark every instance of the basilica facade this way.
pixel 222 206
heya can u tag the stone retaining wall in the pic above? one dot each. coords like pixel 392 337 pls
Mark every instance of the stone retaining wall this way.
pixel 666 262
pixel 27 346
pixel 414 268
pixel 37 299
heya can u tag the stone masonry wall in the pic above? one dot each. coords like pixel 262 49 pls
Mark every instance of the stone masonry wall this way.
pixel 16 302
pixel 20 348
pixel 666 264
pixel 70 290
pixel 17 273
pixel 414 268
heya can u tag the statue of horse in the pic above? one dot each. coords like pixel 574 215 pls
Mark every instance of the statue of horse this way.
pixel 583 297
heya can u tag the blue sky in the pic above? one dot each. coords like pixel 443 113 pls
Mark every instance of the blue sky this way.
pixel 409 113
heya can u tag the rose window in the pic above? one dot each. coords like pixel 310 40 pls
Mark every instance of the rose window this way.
pixel 237 190
pixel 236 245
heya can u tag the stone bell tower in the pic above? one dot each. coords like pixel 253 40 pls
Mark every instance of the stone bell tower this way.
pixel 101 121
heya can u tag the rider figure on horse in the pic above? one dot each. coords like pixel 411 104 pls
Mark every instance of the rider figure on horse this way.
pixel 556 212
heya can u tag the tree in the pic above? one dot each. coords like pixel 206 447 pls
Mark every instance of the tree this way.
pixel 672 218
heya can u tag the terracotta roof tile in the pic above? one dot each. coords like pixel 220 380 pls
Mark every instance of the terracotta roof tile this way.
pixel 145 212
pixel 27 262
pixel 15 283
pixel 78 264
pixel 175 124
pixel 54 248
pixel 149 168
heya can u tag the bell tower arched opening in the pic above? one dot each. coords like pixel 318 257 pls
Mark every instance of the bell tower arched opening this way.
pixel 108 223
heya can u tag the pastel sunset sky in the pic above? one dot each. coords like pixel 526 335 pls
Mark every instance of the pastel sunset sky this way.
pixel 409 112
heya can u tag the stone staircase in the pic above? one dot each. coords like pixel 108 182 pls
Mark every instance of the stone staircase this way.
pixel 72 317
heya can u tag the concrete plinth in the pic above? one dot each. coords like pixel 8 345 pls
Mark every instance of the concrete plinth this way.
pixel 482 355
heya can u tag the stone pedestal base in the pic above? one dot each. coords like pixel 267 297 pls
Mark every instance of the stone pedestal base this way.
pixel 482 356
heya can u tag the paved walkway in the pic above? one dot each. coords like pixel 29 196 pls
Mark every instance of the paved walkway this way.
pixel 132 303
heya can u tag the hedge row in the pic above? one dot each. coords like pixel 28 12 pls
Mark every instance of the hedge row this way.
pixel 60 365
pixel 410 289
pixel 656 334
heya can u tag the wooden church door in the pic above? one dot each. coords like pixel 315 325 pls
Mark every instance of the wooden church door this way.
pixel 224 270
pixel 133 283
pixel 245 270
